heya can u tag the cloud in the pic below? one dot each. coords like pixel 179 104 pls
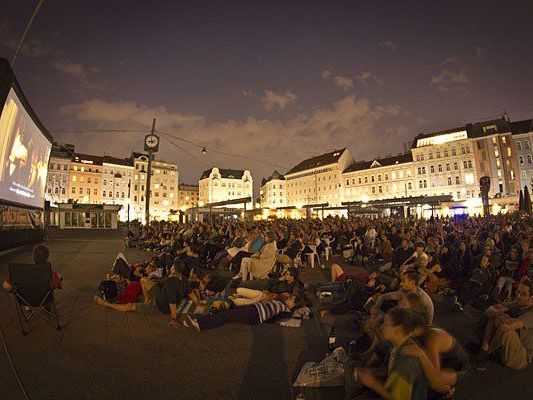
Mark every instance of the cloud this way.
pixel 247 93
pixel 480 51
pixel 31 47
pixel 451 81
pixel 387 44
pixel 348 122
pixel 366 76
pixel 76 71
pixel 272 100
pixel 343 82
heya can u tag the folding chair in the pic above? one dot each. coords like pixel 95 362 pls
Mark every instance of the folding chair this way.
pixel 33 293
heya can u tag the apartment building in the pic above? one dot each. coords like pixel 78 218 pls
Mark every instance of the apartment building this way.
pixel 220 184
pixel 318 180
pixel 273 191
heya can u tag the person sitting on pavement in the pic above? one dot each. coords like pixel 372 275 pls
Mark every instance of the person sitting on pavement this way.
pixel 419 259
pixel 470 290
pixel 401 377
pixel 444 361
pixel 41 255
pixel 408 284
pixel 509 329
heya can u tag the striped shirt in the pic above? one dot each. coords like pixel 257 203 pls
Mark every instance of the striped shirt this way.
pixel 269 309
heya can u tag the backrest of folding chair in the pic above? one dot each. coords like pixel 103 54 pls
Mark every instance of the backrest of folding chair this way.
pixel 31 281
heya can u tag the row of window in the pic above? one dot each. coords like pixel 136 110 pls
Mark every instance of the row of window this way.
pixel 58 166
pixel 464 150
pixel 525 144
pixel 374 178
pixel 467 164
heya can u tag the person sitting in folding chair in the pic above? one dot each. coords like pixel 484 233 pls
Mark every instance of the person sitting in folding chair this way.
pixel 33 287
pixel 41 254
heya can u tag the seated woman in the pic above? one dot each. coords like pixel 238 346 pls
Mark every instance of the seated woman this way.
pixel 253 314
pixel 443 359
pixel 403 378
pixel 41 254
pixel 259 265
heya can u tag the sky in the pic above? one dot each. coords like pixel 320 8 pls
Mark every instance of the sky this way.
pixel 277 82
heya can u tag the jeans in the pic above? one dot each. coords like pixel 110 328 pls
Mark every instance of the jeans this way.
pixel 245 315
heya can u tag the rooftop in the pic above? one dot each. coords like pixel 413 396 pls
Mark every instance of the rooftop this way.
pixel 275 175
pixel 224 173
pixel 314 162
pixel 380 162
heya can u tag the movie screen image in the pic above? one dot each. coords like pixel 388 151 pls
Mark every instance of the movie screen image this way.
pixel 24 153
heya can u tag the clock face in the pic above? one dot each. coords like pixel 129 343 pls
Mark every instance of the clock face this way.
pixel 152 140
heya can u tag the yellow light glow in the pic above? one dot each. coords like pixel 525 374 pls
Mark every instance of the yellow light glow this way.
pixel 469 178
pixel 365 198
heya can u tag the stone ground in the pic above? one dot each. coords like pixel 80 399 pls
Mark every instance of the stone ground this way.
pixel 102 354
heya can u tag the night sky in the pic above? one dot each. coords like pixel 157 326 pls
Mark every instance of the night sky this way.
pixel 276 81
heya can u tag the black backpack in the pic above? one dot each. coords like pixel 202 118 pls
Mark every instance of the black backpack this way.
pixel 108 290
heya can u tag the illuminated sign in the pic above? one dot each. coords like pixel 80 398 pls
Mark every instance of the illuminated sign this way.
pixel 441 139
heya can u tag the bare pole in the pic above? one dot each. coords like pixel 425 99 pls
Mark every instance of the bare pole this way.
pixel 148 179
pixel 28 26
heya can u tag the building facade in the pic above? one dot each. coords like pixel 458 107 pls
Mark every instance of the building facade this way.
pixel 385 178
pixel 219 184
pixel 444 164
pixel 273 191
pixel 495 155
pixel 85 179
pixel 188 196
pixel 522 142
pixel 318 180
pixel 57 181
pixel 164 187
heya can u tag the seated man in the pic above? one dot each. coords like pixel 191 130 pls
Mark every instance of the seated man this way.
pixel 509 329
pixel 41 254
pixel 408 284
pixel 287 285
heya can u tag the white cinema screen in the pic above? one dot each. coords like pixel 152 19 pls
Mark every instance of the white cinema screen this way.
pixel 24 153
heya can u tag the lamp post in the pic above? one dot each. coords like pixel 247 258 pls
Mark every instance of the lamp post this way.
pixel 151 145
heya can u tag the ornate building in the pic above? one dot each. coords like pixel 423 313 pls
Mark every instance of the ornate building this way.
pixel 219 184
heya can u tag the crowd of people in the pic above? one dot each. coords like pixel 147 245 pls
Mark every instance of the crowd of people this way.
pixel 411 271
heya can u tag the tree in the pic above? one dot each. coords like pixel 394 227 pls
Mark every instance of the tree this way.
pixel 521 201
pixel 527 200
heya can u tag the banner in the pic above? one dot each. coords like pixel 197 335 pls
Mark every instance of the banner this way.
pixel 19 226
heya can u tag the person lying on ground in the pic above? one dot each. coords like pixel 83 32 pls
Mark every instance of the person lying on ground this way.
pixel 284 287
pixel 165 296
pixel 509 330
pixel 253 314
pixel 41 254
